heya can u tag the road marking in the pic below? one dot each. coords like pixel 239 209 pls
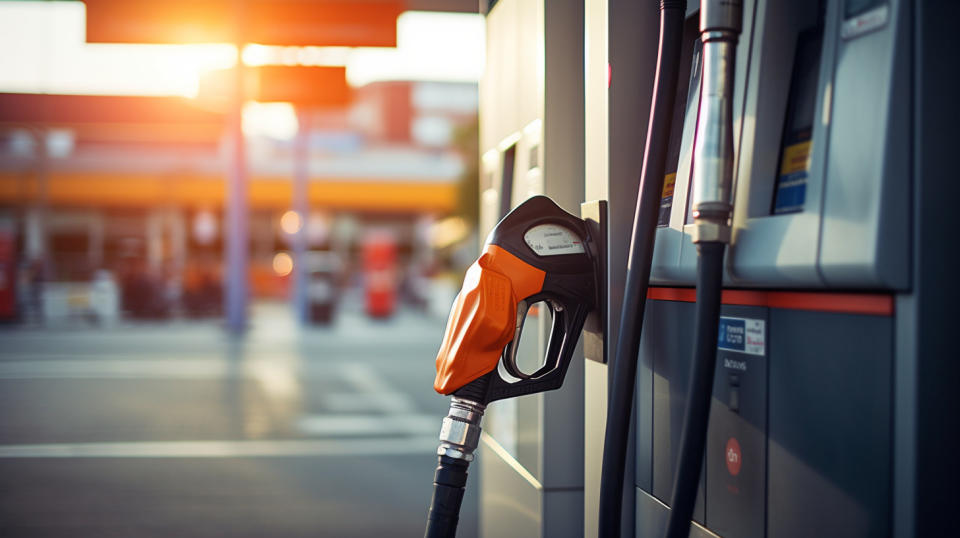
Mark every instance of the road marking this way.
pixel 179 368
pixel 381 425
pixel 369 382
pixel 224 449
pixel 120 369
pixel 367 405
pixel 354 402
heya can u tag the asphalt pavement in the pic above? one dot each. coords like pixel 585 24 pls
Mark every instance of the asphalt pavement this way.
pixel 176 429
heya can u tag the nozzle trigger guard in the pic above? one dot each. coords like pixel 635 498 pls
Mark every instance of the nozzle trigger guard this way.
pixel 509 356
pixel 568 320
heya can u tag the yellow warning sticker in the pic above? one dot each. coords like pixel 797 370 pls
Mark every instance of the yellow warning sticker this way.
pixel 796 158
pixel 669 181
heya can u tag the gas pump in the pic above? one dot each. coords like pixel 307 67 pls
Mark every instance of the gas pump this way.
pixel 810 380
pixel 781 371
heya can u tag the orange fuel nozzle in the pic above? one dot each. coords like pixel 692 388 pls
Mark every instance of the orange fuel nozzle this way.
pixel 482 320
pixel 538 252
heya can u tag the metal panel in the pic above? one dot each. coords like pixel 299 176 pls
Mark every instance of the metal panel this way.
pixel 518 505
pixel 654 330
pixel 596 159
pixel 511 93
pixel 561 452
pixel 532 104
pixel 736 449
pixel 510 505
pixel 865 236
pixel 671 377
pixel 560 511
pixel 927 443
pixel 778 249
pixel 652 518
pixel 830 414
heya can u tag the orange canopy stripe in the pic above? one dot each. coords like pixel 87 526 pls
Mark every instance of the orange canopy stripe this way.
pixel 75 189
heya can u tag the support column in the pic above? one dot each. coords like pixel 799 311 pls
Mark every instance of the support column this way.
pixel 154 240
pixel 236 229
pixel 301 206
pixel 36 226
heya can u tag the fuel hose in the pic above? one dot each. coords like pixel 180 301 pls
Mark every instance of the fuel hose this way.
pixel 449 482
pixel 459 437
pixel 695 420
pixel 720 24
pixel 624 366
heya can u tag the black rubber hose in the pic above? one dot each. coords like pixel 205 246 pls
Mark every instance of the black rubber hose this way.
pixel 624 366
pixel 448 487
pixel 696 417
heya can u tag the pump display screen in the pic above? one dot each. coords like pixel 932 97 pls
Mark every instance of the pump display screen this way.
pixel 797 143
pixel 552 240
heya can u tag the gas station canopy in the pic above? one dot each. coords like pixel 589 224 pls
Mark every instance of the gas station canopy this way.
pixel 285 22
pixel 345 23
pixel 305 86
pixel 36 108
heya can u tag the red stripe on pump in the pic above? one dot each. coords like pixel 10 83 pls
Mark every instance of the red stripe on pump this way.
pixel 848 303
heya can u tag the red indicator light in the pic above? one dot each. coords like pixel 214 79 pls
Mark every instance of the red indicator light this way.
pixel 733 456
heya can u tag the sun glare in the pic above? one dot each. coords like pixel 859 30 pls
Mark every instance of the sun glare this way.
pixel 53 57
pixel 272 120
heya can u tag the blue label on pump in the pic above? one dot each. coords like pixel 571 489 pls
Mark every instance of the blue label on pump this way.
pixel 791 192
pixel 731 334
pixel 742 335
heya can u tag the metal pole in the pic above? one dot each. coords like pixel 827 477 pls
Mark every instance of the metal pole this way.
pixel 37 249
pixel 37 228
pixel 236 232
pixel 301 206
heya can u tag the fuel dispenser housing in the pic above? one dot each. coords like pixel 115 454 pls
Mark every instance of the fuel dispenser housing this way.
pixel 831 410
pixel 803 430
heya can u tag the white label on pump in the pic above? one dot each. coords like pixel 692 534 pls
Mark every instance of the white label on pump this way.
pixel 553 240
pixel 865 22
pixel 743 336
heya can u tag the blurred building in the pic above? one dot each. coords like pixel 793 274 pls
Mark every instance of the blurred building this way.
pixel 133 188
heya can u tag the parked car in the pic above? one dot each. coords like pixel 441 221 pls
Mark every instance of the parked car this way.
pixel 380 274
pixel 324 277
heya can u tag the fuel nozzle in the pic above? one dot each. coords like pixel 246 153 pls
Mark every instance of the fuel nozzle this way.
pixel 720 25
pixel 537 253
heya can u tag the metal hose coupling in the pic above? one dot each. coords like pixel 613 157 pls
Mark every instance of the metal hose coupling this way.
pixel 720 25
pixel 460 432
